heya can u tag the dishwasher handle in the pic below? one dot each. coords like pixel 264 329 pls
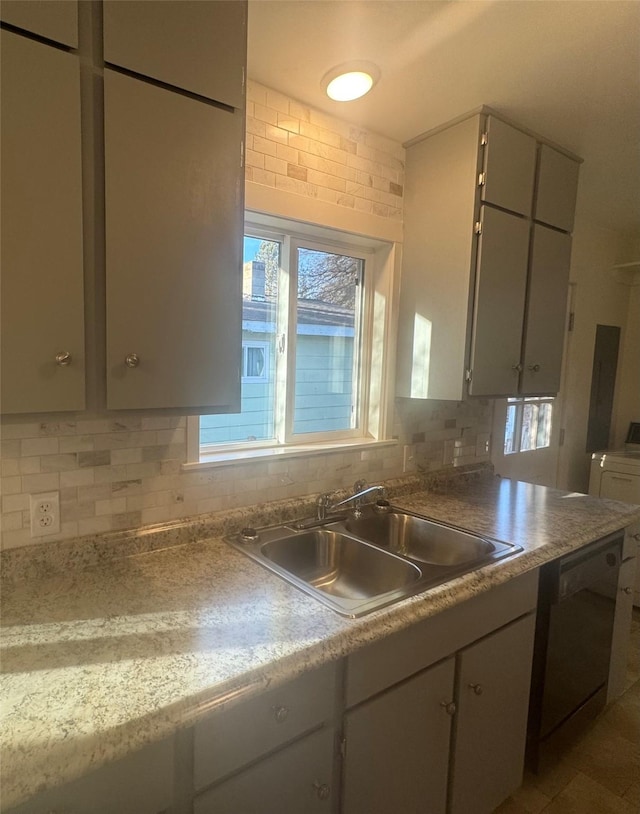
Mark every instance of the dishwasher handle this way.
pixel 597 563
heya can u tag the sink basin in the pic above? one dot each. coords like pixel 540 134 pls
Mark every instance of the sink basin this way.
pixel 421 539
pixel 340 565
pixel 357 565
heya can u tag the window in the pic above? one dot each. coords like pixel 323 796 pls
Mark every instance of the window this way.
pixel 255 361
pixel 306 346
pixel 528 424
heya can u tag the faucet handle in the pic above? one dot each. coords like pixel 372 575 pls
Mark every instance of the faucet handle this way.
pixel 359 486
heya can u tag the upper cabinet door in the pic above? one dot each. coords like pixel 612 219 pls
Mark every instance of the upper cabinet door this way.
pixel 42 270
pixel 56 20
pixel 509 167
pixel 174 193
pixel 195 45
pixel 546 311
pixel 557 189
pixel 501 280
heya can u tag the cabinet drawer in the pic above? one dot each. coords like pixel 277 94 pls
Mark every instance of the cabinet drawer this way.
pixel 377 667
pixel 297 780
pixel 230 739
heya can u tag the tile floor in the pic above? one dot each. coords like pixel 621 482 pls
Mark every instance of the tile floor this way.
pixel 599 774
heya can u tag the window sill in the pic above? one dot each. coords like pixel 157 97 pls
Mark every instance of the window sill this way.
pixel 278 453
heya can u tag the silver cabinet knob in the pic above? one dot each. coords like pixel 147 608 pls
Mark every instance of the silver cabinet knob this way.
pixel 63 359
pixel 323 791
pixel 477 688
pixel 132 360
pixel 280 714
pixel 449 707
pixel 516 368
pixel 627 590
pixel 534 368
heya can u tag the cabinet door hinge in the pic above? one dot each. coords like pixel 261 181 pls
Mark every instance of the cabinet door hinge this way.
pixel 478 227
pixel 468 375
pixel 571 321
pixel 482 179
pixel 484 139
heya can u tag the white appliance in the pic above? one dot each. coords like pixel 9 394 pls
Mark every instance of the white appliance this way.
pixel 615 474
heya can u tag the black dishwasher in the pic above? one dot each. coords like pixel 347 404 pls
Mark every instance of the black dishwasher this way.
pixel 572 651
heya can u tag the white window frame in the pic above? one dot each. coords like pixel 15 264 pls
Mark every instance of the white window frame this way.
pixel 377 349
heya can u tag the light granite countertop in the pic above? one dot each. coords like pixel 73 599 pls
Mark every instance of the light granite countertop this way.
pixel 97 662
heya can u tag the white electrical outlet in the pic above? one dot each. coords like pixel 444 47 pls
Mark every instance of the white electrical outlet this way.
pixel 409 458
pixel 45 513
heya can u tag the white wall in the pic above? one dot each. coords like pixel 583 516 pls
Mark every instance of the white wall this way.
pixel 599 299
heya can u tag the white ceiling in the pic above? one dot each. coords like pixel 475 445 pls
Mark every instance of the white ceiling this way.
pixel 567 69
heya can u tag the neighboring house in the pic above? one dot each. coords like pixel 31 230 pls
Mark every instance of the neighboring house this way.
pixel 323 369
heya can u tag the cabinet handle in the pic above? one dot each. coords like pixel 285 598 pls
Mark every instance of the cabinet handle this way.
pixel 517 368
pixel 449 707
pixel 627 590
pixel 477 688
pixel 636 537
pixel 534 368
pixel 132 360
pixel 63 359
pixel 323 791
pixel 280 714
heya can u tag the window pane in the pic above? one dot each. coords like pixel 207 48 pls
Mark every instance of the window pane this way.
pixel 543 437
pixel 510 430
pixel 327 342
pixel 529 427
pixel 259 308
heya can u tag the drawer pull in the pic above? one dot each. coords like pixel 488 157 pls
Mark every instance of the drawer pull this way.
pixel 477 688
pixel 323 791
pixel 449 707
pixel 627 590
pixel 280 714
pixel 132 360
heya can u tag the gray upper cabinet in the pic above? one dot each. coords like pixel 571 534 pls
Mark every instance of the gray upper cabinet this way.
pixel 557 188
pixel 501 282
pixel 55 20
pixel 482 307
pixel 174 192
pixel 509 167
pixel 546 311
pixel 42 271
pixel 192 45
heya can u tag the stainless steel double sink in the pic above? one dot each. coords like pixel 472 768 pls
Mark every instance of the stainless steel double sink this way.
pixel 357 564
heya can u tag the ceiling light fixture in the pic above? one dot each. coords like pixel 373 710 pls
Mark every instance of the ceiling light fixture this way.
pixel 350 81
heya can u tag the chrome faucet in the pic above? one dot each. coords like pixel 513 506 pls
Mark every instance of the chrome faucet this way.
pixel 325 507
pixel 360 490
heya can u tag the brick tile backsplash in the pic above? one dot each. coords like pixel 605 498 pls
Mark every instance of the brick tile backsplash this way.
pixel 295 148
pixel 124 474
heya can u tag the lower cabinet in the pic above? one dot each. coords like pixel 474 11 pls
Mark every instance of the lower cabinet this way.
pixel 490 722
pixel 397 747
pixel 141 783
pixel 451 738
pixel 295 780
